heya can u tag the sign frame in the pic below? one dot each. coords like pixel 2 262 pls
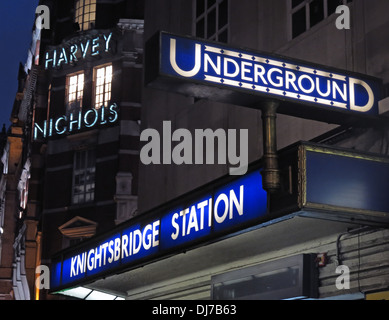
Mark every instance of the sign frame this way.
pixel 213 188
pixel 156 77
pixel 312 205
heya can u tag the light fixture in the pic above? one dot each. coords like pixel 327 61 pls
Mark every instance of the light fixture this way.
pixel 88 294
pixel 79 292
pixel 98 295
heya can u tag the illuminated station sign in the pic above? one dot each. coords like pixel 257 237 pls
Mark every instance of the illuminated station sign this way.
pixel 213 71
pixel 233 205
pixel 212 213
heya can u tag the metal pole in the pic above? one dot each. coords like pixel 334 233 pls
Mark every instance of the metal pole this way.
pixel 271 172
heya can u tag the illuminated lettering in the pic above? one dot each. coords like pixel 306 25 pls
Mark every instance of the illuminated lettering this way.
pixel 95 46
pixel 216 67
pixel 62 57
pixel 51 59
pixel 269 75
pixel 227 72
pixel 37 129
pixel 57 125
pixel 280 82
pixel 191 220
pixel 107 41
pixel 76 121
pixel 80 50
pixel 319 89
pixel 73 52
pixel 370 103
pixel 86 117
pixel 143 239
pixel 113 113
pixel 84 48
pixel 175 66
pixel 311 85
pixel 91 259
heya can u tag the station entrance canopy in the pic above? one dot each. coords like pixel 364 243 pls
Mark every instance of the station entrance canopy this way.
pixel 317 182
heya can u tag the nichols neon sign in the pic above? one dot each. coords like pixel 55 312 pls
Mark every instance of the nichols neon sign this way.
pixel 200 68
pixel 76 121
pixel 225 209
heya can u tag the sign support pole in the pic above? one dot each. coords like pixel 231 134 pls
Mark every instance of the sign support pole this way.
pixel 271 172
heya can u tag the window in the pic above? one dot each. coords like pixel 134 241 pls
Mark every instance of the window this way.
pixel 84 176
pixel 85 14
pixel 211 18
pixel 307 13
pixel 74 92
pixel 103 84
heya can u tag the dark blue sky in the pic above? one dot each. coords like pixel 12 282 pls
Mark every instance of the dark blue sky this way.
pixel 16 23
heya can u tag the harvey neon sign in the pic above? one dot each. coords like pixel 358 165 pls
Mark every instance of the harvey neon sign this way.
pixel 225 209
pixel 77 51
pixel 76 121
pixel 250 73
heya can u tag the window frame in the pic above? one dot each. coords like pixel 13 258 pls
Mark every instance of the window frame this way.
pixel 205 15
pixel 79 94
pixel 306 4
pixel 83 171
pixel 80 16
pixel 105 101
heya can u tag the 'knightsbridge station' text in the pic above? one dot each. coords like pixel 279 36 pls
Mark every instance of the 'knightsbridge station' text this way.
pixel 207 216
pixel 138 241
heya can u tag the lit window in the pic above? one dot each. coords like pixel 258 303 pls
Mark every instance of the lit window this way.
pixel 85 14
pixel 74 92
pixel 307 13
pixel 84 176
pixel 211 19
pixel 103 84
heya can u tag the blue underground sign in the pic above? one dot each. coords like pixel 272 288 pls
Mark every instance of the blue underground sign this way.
pixel 229 208
pixel 183 61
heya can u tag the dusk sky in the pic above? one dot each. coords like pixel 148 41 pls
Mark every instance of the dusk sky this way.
pixel 17 20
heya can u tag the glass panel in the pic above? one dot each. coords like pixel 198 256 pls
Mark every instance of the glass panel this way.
pixel 295 3
pixel 223 14
pixel 299 22
pixel 332 5
pixel 316 10
pixel 211 3
pixel 200 5
pixel 84 176
pixel 200 31
pixel 223 37
pixel 211 27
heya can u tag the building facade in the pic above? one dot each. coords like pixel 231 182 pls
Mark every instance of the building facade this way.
pixel 76 130
pixel 102 213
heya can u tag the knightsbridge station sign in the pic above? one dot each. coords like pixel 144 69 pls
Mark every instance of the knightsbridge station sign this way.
pixel 210 70
pixel 200 217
